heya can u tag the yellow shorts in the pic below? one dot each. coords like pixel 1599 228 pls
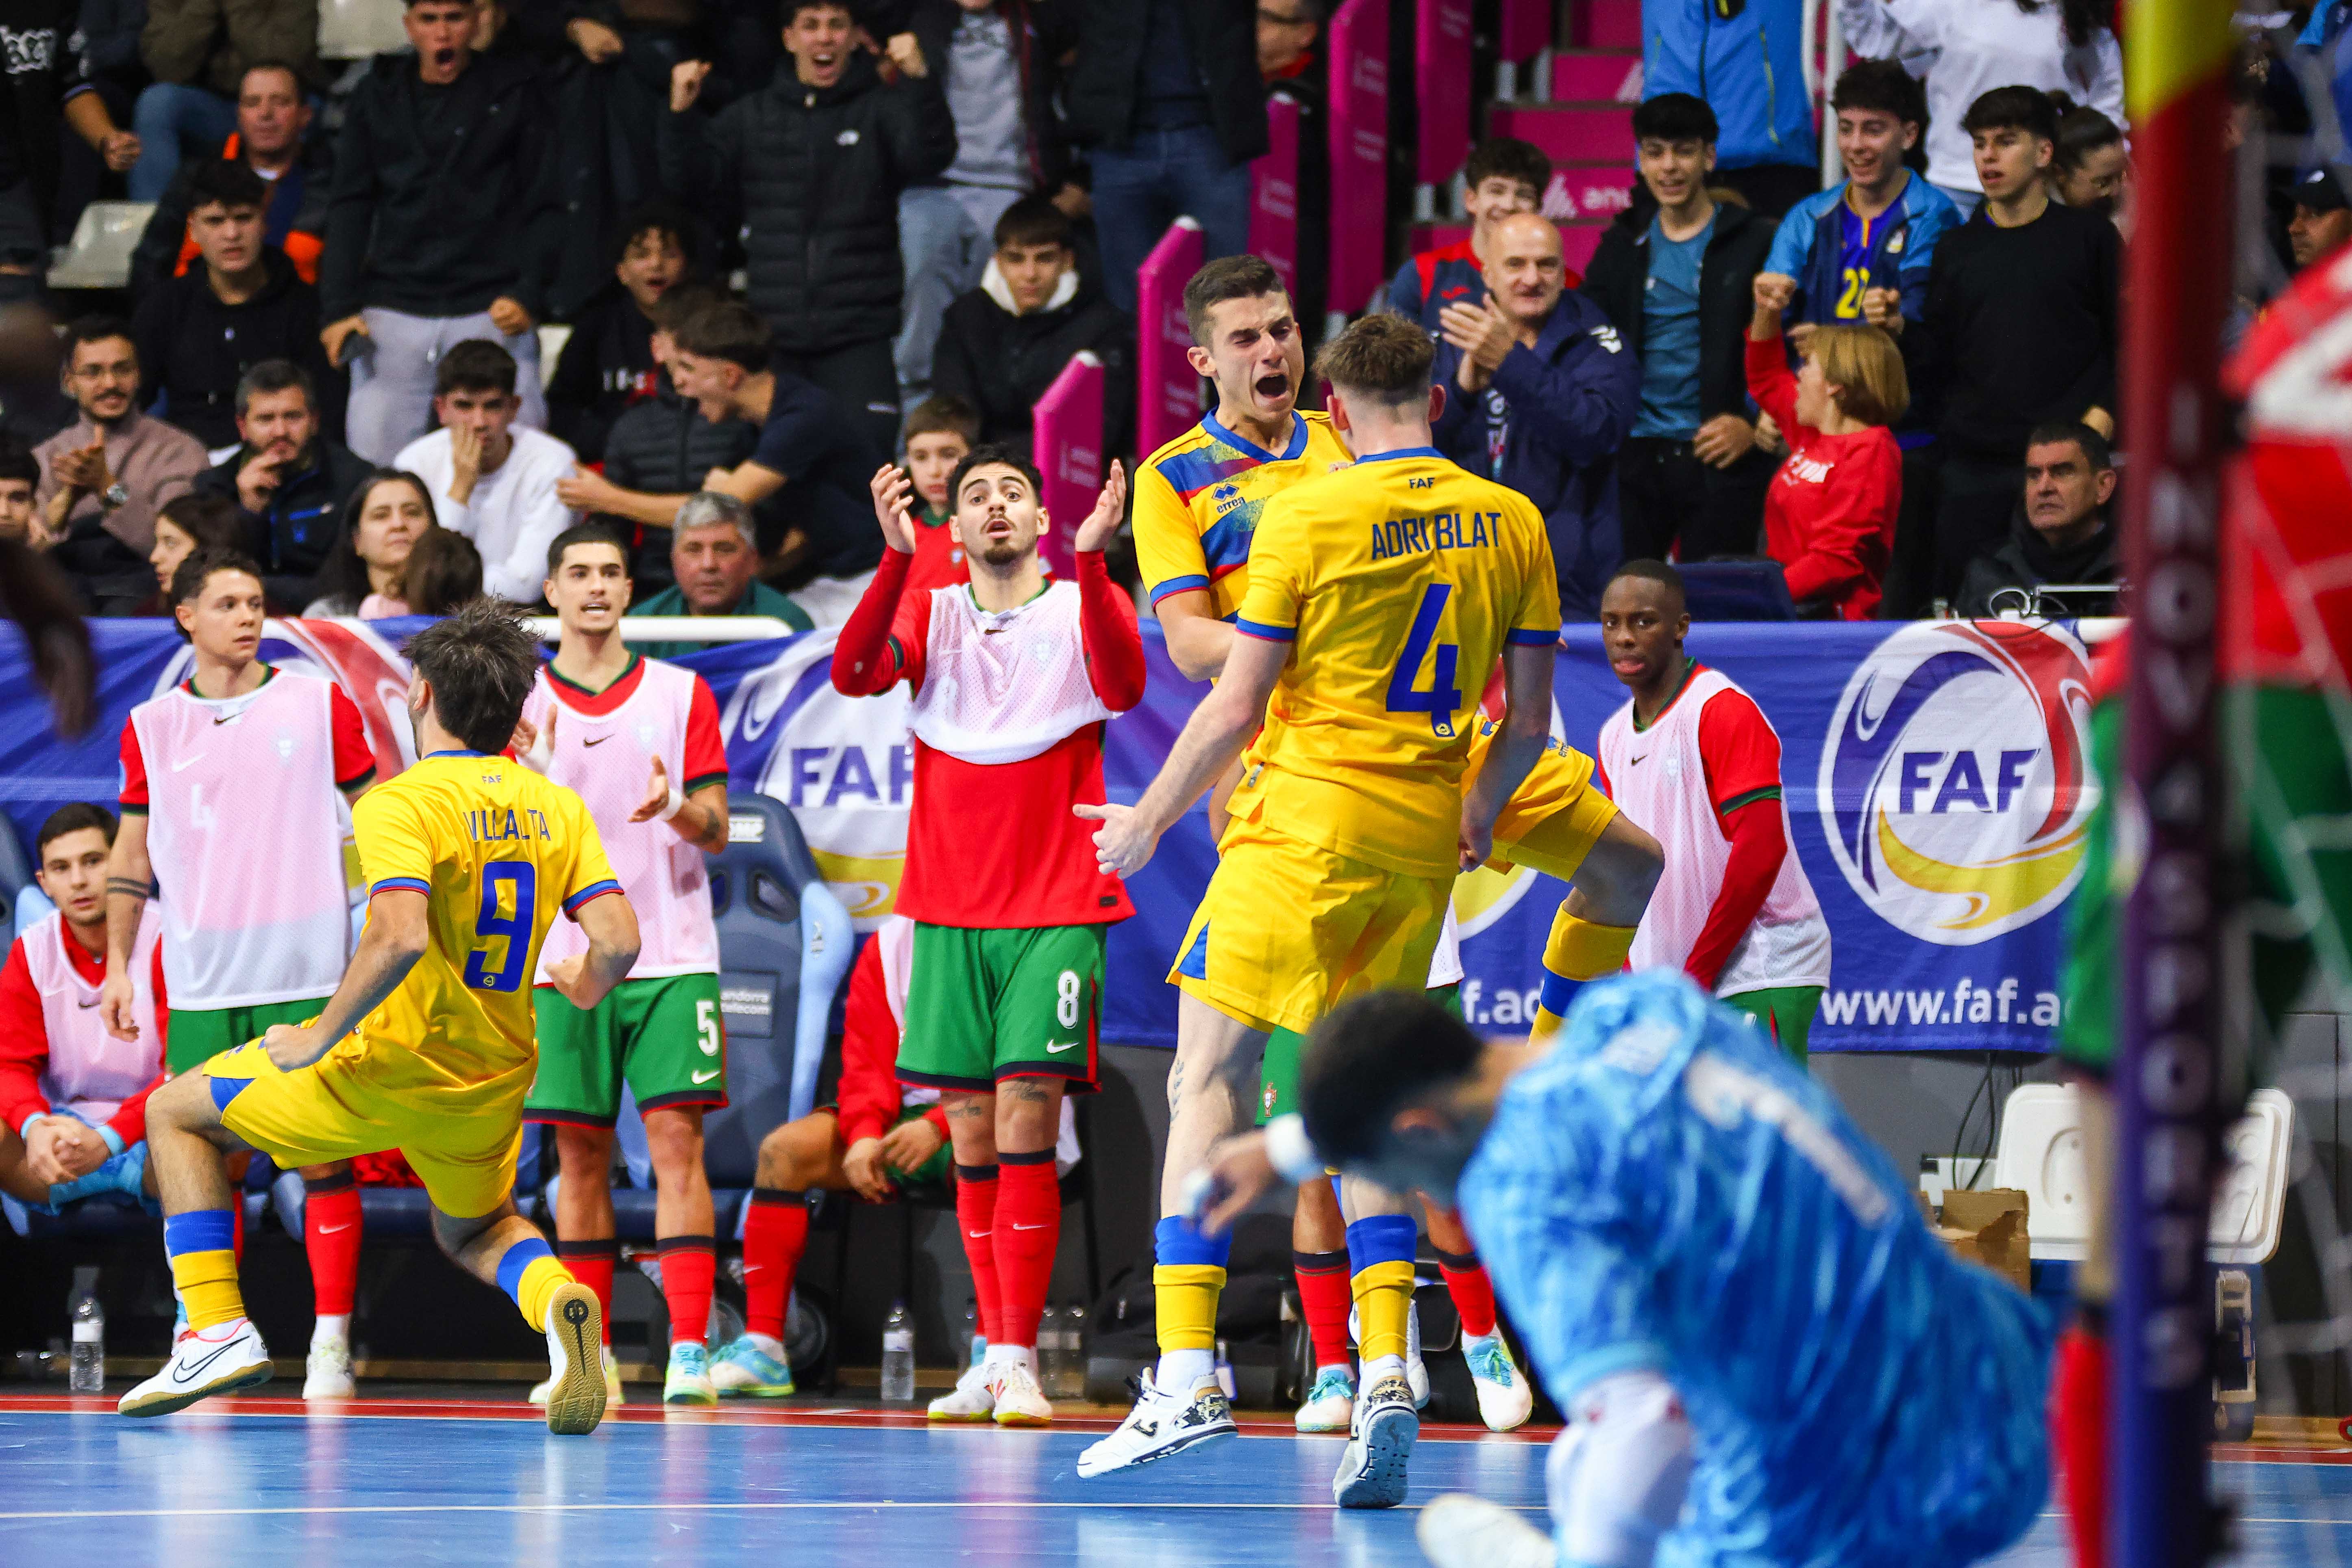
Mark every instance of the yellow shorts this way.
pixel 1288 930
pixel 329 1111
pixel 1554 818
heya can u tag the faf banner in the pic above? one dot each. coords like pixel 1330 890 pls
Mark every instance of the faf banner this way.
pixel 1936 776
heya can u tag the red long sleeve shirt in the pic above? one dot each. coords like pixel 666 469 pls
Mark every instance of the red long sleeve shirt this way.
pixel 1829 515
pixel 995 845
pixel 869 1097
pixel 24 1041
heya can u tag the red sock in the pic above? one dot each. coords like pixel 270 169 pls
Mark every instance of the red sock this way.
pixel 689 1264
pixel 1473 1292
pixel 976 1222
pixel 1324 1297
pixel 591 1263
pixel 1028 1228
pixel 774 1234
pixel 330 1234
pixel 2078 1431
pixel 236 1224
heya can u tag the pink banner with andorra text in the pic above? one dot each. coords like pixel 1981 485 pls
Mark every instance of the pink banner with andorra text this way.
pixel 1168 390
pixel 1360 153
pixel 1273 193
pixel 1440 54
pixel 1069 453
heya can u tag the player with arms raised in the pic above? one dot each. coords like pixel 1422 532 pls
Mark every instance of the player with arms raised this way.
pixel 427 1045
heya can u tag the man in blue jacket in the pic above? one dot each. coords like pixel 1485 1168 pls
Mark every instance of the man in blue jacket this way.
pixel 1540 393
pixel 1746 58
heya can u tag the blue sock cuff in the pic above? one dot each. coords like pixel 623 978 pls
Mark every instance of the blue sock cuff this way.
pixel 517 1258
pixel 1382 1238
pixel 199 1230
pixel 1176 1242
pixel 1558 991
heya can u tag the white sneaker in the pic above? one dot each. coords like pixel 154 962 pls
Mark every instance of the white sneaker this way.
pixel 1330 1403
pixel 970 1401
pixel 540 1391
pixel 1019 1402
pixel 1162 1422
pixel 1504 1400
pixel 1458 1531
pixel 327 1372
pixel 575 1384
pixel 220 1360
pixel 1371 1473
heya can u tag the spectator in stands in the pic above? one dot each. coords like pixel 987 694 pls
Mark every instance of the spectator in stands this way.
pixel 608 362
pixel 714 553
pixel 2321 224
pixel 1967 49
pixel 492 479
pixel 272 139
pixel 201 331
pixel 440 226
pixel 1503 177
pixel 20 480
pixel 811 168
pixel 940 432
pixel 806 477
pixel 997 61
pixel 2089 167
pixel 2019 330
pixel 1679 281
pixel 443 571
pixel 366 575
pixel 1874 234
pixel 2061 535
pixel 199 52
pixel 286 479
pixel 1166 96
pixel 104 476
pixel 1747 62
pixel 1829 517
pixel 188 525
pixel 1001 345
pixel 1287 35
pixel 1540 394
pixel 46 68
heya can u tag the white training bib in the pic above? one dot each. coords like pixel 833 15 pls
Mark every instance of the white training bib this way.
pixel 90 1072
pixel 608 760
pixel 1658 779
pixel 1445 964
pixel 1006 686
pixel 245 831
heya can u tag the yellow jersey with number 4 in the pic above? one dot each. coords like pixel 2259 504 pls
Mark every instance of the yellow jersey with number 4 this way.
pixel 1399 580
pixel 499 852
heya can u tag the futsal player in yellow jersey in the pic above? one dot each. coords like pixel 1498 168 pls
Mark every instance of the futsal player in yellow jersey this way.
pixel 428 1045
pixel 1371 591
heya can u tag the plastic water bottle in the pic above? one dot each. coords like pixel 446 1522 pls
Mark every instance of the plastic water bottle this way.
pixel 88 1370
pixel 1072 1385
pixel 898 1356
pixel 1049 1349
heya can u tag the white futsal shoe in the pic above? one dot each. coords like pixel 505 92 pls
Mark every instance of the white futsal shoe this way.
pixel 540 1391
pixel 1330 1403
pixel 327 1374
pixel 575 1382
pixel 1504 1400
pixel 1162 1422
pixel 971 1398
pixel 220 1360
pixel 1458 1531
pixel 1017 1399
pixel 1416 1370
pixel 1371 1473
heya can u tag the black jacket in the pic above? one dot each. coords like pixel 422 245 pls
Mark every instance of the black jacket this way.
pixel 812 176
pixel 1619 275
pixel 663 446
pixel 192 348
pixel 607 364
pixel 2026 560
pixel 1105 84
pixel 442 196
pixel 1002 364
pixel 294 534
pixel 1042 35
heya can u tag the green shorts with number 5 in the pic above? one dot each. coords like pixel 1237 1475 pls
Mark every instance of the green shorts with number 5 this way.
pixel 664 1036
pixel 988 1005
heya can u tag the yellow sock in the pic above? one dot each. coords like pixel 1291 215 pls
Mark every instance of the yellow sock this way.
pixel 1384 1294
pixel 540 1277
pixel 1185 1298
pixel 1577 951
pixel 208 1282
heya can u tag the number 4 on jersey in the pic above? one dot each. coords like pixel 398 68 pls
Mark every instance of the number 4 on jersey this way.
pixel 1442 700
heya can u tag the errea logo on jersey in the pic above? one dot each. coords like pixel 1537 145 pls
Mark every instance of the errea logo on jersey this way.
pixel 1955 778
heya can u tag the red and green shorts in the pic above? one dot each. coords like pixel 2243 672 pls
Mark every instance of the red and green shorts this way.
pixel 1278 1073
pixel 983 1006
pixel 195 1036
pixel 664 1036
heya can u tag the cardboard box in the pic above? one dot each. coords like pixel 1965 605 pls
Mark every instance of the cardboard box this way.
pixel 1989 1228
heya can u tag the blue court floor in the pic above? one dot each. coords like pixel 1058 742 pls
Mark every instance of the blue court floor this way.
pixel 399 1482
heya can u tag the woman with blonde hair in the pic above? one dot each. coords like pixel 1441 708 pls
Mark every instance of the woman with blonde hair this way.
pixel 1829 515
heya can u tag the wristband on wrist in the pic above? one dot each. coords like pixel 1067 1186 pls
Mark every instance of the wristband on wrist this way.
pixel 1287 1150
pixel 676 804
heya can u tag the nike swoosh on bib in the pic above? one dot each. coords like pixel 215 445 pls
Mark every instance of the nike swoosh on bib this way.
pixel 597 742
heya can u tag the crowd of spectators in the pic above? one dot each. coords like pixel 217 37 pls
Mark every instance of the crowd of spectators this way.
pixel 328 354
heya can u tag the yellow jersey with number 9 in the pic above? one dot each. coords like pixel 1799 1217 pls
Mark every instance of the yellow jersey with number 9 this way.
pixel 1399 580
pixel 499 852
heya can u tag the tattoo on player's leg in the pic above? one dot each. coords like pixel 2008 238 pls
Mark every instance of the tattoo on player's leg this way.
pixel 1029 1091
pixel 972 1108
pixel 1175 1084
